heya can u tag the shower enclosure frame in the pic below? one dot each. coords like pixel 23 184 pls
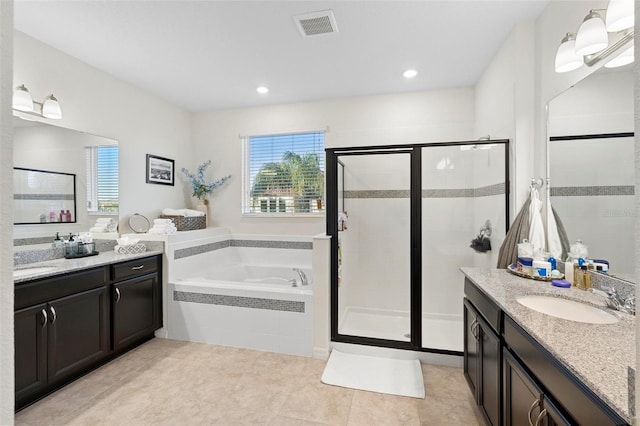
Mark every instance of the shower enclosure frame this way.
pixel 415 291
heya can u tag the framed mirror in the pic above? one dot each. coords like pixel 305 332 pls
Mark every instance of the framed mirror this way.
pixel 591 165
pixel 41 196
pixel 92 159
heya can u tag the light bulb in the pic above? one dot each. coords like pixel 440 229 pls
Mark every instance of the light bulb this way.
pixel 51 108
pixel 592 35
pixel 566 57
pixel 22 100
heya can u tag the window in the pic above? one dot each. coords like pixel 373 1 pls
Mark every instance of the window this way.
pixel 102 179
pixel 284 174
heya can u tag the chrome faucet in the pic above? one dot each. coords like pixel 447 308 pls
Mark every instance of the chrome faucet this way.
pixel 303 276
pixel 615 301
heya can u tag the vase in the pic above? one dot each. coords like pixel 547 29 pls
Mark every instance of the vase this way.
pixel 203 206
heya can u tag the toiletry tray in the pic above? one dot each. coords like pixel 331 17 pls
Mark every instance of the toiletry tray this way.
pixel 79 255
pixel 513 269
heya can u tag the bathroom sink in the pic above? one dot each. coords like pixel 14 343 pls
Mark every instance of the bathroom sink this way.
pixel 567 309
pixel 23 272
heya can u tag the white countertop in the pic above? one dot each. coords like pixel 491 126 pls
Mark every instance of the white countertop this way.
pixel 63 266
pixel 598 354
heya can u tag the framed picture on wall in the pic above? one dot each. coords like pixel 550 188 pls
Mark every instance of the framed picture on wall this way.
pixel 160 170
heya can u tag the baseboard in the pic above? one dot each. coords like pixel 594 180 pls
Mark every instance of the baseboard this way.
pixel 162 333
pixel 321 353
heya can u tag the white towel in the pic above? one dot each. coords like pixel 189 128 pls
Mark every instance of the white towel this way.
pixel 161 221
pixel 162 231
pixel 164 227
pixel 98 229
pixel 104 220
pixel 173 212
pixel 193 213
pixel 536 227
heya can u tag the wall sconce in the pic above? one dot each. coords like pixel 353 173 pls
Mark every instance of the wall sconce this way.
pixel 598 39
pixel 49 108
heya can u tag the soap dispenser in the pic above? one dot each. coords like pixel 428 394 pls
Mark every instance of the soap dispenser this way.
pixel 57 242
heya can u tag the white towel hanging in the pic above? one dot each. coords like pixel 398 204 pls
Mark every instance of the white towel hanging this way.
pixel 536 227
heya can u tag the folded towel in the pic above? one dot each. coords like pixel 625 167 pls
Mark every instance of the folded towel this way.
pixel 162 231
pixel 193 213
pixel 98 229
pixel 173 212
pixel 104 220
pixel 161 221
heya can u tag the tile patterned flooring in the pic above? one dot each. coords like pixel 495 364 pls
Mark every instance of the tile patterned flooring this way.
pixel 169 382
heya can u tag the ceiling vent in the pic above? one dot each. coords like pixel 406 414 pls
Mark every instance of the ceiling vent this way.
pixel 316 23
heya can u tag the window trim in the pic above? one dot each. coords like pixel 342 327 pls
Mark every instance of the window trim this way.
pixel 246 176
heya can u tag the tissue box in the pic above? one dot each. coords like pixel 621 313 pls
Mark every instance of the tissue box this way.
pixel 189 223
pixel 130 249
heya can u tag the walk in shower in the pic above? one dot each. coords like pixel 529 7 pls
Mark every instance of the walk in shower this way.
pixel 411 213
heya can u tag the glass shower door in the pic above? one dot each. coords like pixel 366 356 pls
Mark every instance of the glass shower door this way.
pixel 374 272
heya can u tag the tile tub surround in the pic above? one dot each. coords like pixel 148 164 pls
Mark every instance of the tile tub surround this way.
pixel 64 266
pixel 597 354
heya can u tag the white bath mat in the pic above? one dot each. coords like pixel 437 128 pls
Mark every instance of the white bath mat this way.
pixel 383 375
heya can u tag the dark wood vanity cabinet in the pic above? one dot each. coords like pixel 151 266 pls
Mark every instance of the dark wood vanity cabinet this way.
pixel 69 324
pixel 482 360
pixel 136 301
pixel 509 371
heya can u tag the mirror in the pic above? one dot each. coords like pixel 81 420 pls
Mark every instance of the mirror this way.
pixel 590 157
pixel 92 159
pixel 38 196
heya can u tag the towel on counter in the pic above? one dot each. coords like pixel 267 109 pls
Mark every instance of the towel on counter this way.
pixel 161 221
pixel 104 220
pixel 193 213
pixel 98 229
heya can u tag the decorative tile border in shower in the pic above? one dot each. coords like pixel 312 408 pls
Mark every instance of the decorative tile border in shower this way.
pixel 240 301
pixel 47 197
pixel 587 191
pixel 204 248
pixel 483 191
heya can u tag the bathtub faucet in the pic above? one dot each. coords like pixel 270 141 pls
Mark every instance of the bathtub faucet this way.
pixel 303 276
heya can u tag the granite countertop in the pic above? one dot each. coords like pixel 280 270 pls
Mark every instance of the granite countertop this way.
pixel 598 354
pixel 63 266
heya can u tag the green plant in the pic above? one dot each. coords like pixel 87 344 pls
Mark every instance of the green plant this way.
pixel 201 189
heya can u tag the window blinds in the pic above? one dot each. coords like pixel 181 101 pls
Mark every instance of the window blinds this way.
pixel 102 179
pixel 284 174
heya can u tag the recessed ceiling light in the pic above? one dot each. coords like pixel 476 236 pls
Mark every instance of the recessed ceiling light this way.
pixel 262 90
pixel 410 73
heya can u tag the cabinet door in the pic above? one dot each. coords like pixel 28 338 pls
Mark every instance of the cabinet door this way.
pixel 489 395
pixel 135 309
pixel 30 325
pixel 78 332
pixel 522 398
pixel 471 348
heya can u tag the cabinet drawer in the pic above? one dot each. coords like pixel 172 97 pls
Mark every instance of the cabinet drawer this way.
pixel 484 305
pixel 39 291
pixel 134 268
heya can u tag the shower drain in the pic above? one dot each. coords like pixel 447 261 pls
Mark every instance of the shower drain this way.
pixel 407 335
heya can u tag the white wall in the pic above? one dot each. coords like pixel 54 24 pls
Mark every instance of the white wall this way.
pixel 6 218
pixel 445 115
pixel 95 102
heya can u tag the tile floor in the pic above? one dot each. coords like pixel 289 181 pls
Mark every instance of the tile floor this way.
pixel 168 382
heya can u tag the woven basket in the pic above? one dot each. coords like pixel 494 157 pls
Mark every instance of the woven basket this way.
pixel 187 223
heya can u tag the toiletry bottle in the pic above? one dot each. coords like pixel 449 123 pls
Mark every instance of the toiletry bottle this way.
pixel 587 280
pixel 61 216
pixel 577 275
pixel 57 242
pixel 52 216
pixel 568 271
pixel 68 215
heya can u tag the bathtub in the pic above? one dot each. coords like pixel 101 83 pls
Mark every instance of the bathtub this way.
pixel 246 306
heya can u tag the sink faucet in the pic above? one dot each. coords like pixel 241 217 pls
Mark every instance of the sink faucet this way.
pixel 615 301
pixel 303 276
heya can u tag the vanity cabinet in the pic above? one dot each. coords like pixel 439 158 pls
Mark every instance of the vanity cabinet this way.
pixel 137 301
pixel 482 356
pixel 69 324
pixel 61 329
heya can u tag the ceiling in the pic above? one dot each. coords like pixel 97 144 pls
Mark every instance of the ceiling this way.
pixel 210 55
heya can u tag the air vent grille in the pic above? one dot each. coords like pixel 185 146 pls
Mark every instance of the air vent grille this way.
pixel 316 23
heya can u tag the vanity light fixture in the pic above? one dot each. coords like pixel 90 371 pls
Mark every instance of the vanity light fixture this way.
pixel 620 15
pixel 22 101
pixel 566 57
pixel 410 73
pixel 263 90
pixel 592 35
pixel 622 59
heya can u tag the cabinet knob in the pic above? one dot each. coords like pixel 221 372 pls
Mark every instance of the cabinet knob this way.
pixel 117 295
pixel 535 404
pixel 45 318
pixel 54 316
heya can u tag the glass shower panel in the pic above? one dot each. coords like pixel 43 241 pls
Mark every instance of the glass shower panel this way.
pixel 374 272
pixel 463 186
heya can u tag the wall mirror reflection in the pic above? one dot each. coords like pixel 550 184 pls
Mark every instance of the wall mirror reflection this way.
pixel 591 165
pixel 92 159
pixel 41 196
